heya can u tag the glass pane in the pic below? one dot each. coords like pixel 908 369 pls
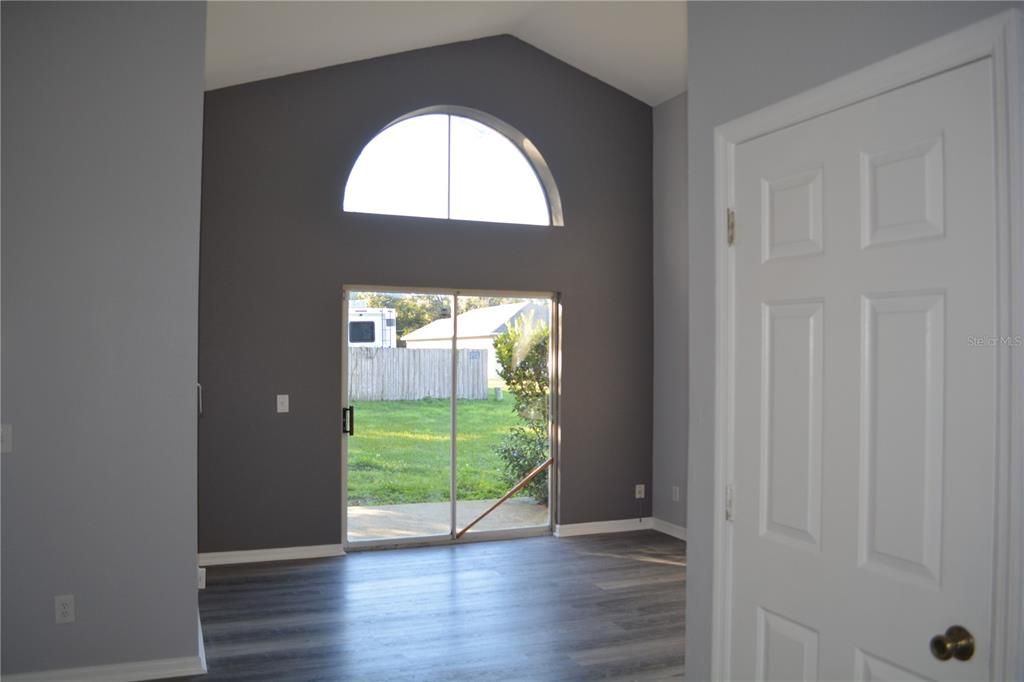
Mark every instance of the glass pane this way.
pixel 403 171
pixel 399 459
pixel 491 180
pixel 502 410
pixel 361 332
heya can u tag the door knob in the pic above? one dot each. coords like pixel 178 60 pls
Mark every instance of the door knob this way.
pixel 957 643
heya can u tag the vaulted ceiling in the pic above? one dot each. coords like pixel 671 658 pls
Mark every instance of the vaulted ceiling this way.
pixel 637 47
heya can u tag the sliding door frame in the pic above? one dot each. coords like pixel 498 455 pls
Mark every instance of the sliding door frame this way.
pixel 554 433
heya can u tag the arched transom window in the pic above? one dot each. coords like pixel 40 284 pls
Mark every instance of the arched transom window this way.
pixel 457 164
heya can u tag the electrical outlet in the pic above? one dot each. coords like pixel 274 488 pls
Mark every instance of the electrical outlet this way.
pixel 64 608
pixel 202 578
pixel 641 491
pixel 282 402
pixel 675 493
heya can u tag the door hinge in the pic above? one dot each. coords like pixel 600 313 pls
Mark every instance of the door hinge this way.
pixel 730 226
pixel 728 502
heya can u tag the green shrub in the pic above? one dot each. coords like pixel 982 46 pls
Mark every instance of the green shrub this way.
pixel 522 450
pixel 522 353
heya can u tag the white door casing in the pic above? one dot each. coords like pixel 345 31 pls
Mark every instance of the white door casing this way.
pixel 866 429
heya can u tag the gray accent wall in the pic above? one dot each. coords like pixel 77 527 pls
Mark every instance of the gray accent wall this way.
pixel 102 135
pixel 277 249
pixel 671 319
pixel 744 56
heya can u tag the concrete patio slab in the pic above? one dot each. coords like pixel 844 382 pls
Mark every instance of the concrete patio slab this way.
pixel 424 519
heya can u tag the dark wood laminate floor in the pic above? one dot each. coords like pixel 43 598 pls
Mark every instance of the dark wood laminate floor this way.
pixel 585 608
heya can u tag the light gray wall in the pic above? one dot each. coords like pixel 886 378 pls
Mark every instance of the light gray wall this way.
pixel 102 131
pixel 744 56
pixel 671 317
pixel 276 250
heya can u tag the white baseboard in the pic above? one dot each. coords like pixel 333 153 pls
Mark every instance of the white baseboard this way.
pixel 118 672
pixel 568 530
pixel 670 529
pixel 255 556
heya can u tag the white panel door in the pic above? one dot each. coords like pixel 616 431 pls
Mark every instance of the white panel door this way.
pixel 865 419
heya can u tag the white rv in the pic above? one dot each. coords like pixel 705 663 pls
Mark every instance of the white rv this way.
pixel 371 327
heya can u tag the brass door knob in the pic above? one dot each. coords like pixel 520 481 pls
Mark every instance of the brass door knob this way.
pixel 957 643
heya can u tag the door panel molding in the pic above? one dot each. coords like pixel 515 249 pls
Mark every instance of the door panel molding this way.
pixel 997 38
pixel 790 486
pixel 906 544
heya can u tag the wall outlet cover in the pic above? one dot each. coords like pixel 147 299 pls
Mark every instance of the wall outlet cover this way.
pixel 282 403
pixel 641 491
pixel 64 608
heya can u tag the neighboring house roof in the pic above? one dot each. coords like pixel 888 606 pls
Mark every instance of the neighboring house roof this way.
pixel 480 322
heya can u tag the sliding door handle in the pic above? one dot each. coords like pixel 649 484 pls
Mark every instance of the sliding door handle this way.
pixel 348 420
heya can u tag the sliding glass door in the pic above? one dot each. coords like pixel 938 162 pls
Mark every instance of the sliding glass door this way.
pixel 502 343
pixel 447 415
pixel 397 418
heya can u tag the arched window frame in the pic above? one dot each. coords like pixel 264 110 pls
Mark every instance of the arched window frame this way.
pixel 513 135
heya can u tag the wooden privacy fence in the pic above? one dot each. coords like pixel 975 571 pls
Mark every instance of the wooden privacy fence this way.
pixel 415 373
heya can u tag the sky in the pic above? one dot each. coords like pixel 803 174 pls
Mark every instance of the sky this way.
pixel 446 166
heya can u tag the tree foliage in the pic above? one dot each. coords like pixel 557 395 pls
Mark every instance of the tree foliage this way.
pixel 418 310
pixel 522 353
pixel 467 303
pixel 411 312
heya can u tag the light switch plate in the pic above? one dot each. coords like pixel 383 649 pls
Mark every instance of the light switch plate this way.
pixel 282 402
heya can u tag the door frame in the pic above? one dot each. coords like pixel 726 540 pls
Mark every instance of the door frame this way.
pixel 998 38
pixel 554 432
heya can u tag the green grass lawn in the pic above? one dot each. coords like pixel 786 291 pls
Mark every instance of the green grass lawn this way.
pixel 400 451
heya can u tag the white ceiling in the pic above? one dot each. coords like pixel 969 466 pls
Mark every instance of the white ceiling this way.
pixel 638 47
